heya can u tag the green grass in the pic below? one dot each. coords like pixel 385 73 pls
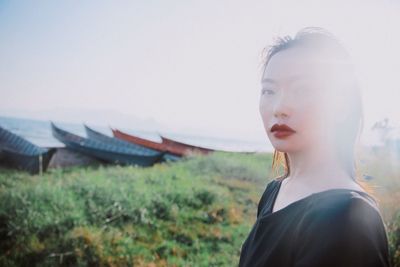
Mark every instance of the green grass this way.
pixel 196 212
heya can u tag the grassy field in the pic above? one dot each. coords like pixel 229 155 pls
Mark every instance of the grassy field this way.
pixel 196 212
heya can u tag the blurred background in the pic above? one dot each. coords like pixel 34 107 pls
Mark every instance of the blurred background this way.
pixel 190 69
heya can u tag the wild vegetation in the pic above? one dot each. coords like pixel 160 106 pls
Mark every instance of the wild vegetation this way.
pixel 196 212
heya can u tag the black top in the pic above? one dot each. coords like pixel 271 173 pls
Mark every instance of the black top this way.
pixel 336 227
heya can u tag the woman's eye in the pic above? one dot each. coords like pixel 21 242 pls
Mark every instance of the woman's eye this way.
pixel 267 91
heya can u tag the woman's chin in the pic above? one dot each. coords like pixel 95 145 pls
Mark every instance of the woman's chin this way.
pixel 284 146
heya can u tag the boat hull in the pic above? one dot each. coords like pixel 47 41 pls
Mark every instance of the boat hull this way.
pixel 168 156
pixel 183 148
pixel 136 149
pixel 19 153
pixel 34 164
pixel 102 151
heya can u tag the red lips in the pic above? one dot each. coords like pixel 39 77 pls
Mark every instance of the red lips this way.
pixel 282 131
pixel 281 127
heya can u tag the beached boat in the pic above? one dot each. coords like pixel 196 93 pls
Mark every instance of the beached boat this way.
pixel 168 156
pixel 95 135
pixel 104 151
pixel 19 153
pixel 184 148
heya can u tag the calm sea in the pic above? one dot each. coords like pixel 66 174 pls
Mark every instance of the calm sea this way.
pixel 39 133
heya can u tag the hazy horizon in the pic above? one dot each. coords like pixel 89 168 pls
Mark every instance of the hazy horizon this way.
pixel 192 65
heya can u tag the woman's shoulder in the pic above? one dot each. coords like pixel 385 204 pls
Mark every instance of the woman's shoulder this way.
pixel 345 207
pixel 344 199
pixel 350 224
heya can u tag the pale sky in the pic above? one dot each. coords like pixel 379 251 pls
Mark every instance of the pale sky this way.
pixel 186 64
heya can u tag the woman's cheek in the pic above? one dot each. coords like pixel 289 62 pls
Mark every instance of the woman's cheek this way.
pixel 265 109
pixel 315 124
pixel 265 113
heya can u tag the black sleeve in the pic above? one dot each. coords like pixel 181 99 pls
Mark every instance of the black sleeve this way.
pixel 353 235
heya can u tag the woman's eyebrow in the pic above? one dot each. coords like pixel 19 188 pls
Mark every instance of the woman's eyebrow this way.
pixel 290 79
pixel 267 80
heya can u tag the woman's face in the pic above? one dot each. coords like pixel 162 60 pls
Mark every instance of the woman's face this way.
pixel 296 90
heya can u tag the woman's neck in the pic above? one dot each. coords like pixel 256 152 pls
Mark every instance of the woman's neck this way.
pixel 316 169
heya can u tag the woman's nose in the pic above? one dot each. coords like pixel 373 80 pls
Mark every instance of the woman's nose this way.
pixel 282 107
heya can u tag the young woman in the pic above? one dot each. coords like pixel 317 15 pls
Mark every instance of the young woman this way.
pixel 318 214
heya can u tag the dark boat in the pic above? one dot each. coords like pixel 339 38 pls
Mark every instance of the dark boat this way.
pixel 183 148
pixel 105 152
pixel 95 135
pixel 168 156
pixel 21 154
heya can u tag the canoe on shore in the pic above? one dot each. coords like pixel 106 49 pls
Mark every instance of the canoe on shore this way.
pixel 104 151
pixel 19 153
pixel 183 148
pixel 169 155
pixel 166 156
pixel 100 137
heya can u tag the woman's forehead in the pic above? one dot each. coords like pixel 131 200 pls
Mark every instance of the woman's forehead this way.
pixel 297 64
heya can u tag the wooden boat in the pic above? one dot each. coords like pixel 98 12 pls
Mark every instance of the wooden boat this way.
pixel 95 135
pixel 106 152
pixel 183 148
pixel 19 153
pixel 168 156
